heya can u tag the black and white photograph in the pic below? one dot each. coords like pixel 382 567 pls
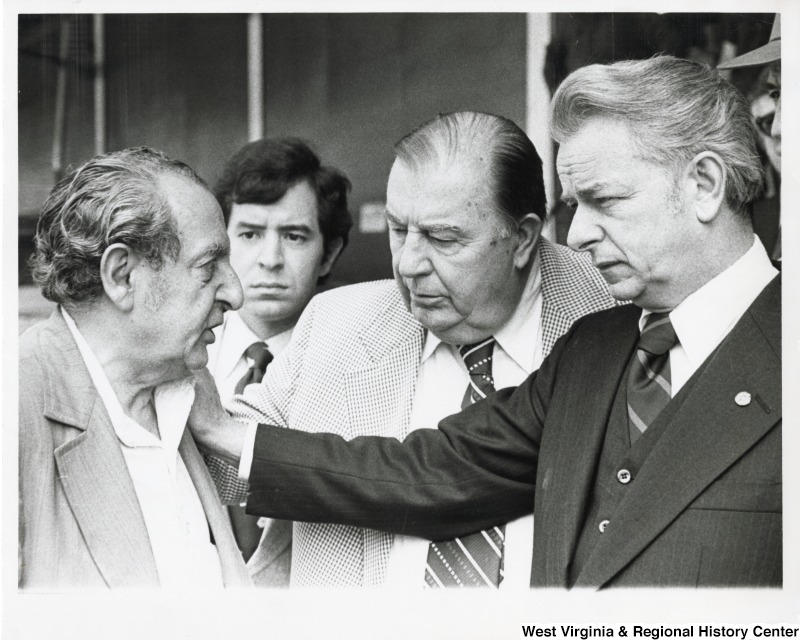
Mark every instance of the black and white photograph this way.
pixel 424 320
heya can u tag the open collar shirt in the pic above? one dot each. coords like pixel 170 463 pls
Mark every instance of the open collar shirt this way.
pixel 173 514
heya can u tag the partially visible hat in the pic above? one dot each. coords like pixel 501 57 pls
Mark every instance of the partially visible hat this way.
pixel 770 52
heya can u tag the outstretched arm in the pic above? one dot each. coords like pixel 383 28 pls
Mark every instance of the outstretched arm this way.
pixel 478 469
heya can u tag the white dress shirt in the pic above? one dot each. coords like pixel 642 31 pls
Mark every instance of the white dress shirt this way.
pixel 441 382
pixel 226 360
pixel 173 514
pixel 705 317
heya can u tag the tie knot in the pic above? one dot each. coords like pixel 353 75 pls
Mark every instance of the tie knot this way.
pixel 658 335
pixel 478 356
pixel 259 354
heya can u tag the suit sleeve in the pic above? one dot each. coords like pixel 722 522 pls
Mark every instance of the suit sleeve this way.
pixel 477 470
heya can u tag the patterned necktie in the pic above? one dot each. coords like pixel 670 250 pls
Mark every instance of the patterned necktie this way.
pixel 474 560
pixel 649 381
pixel 259 357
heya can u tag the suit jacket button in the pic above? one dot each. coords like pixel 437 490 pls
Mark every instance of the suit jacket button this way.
pixel 742 398
pixel 602 526
pixel 624 476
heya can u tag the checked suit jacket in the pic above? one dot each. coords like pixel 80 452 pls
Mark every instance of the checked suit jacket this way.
pixel 352 369
pixel 704 508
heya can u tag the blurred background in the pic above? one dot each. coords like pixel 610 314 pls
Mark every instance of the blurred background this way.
pixel 199 86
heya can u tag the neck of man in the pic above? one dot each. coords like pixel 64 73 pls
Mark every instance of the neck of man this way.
pixel 132 379
pixel 266 328
pixel 717 251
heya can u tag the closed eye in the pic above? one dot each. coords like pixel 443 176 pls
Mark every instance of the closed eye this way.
pixel 207 271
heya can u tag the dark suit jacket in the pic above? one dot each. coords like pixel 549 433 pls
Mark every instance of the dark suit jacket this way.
pixel 705 508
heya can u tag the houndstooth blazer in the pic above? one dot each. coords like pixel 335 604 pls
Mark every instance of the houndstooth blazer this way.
pixel 351 369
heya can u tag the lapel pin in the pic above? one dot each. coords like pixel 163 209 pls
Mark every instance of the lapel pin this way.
pixel 742 398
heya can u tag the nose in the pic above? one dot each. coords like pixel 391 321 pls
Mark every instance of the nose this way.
pixel 271 254
pixel 583 232
pixel 413 260
pixel 230 293
pixel 776 122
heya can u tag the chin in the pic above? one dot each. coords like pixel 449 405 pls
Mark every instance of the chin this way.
pixel 626 290
pixel 196 361
pixel 269 310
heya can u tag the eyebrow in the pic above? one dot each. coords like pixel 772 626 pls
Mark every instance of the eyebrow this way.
pixel 250 226
pixel 213 252
pixel 589 191
pixel 435 227
pixel 296 227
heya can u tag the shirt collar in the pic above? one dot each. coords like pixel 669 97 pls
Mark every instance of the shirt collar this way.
pixel 706 316
pixel 173 401
pixel 236 336
pixel 514 337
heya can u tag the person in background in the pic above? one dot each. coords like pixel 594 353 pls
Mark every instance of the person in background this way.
pixel 478 300
pixel 767 114
pixel 648 443
pixel 288 222
pixel 113 492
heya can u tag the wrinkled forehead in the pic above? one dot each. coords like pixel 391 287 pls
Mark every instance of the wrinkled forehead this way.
pixel 598 148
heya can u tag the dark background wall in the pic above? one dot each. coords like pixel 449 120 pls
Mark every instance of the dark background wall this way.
pixel 351 84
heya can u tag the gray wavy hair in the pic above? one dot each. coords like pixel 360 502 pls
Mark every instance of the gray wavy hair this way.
pixel 112 198
pixel 675 109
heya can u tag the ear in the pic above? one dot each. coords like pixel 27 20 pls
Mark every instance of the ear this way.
pixel 528 232
pixel 707 175
pixel 334 249
pixel 116 266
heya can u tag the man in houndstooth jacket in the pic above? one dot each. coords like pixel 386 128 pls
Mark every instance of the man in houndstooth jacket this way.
pixel 465 203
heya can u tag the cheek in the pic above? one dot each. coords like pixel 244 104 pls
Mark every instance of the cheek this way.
pixel 243 260
pixel 464 282
pixel 304 264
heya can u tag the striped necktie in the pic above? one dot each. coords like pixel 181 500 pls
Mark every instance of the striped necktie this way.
pixel 649 380
pixel 474 560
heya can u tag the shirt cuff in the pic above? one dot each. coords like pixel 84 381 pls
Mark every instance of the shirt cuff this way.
pixel 246 461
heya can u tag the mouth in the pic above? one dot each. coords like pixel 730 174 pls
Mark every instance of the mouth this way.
pixel 426 299
pixel 602 265
pixel 269 286
pixel 208 336
pixel 268 290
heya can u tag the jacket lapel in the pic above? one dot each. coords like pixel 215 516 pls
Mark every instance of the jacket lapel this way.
pixel 92 469
pixel 380 392
pixel 576 430
pixel 571 289
pixel 380 385
pixel 234 572
pixel 706 435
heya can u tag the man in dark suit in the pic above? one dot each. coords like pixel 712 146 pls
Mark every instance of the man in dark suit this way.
pixel 649 442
